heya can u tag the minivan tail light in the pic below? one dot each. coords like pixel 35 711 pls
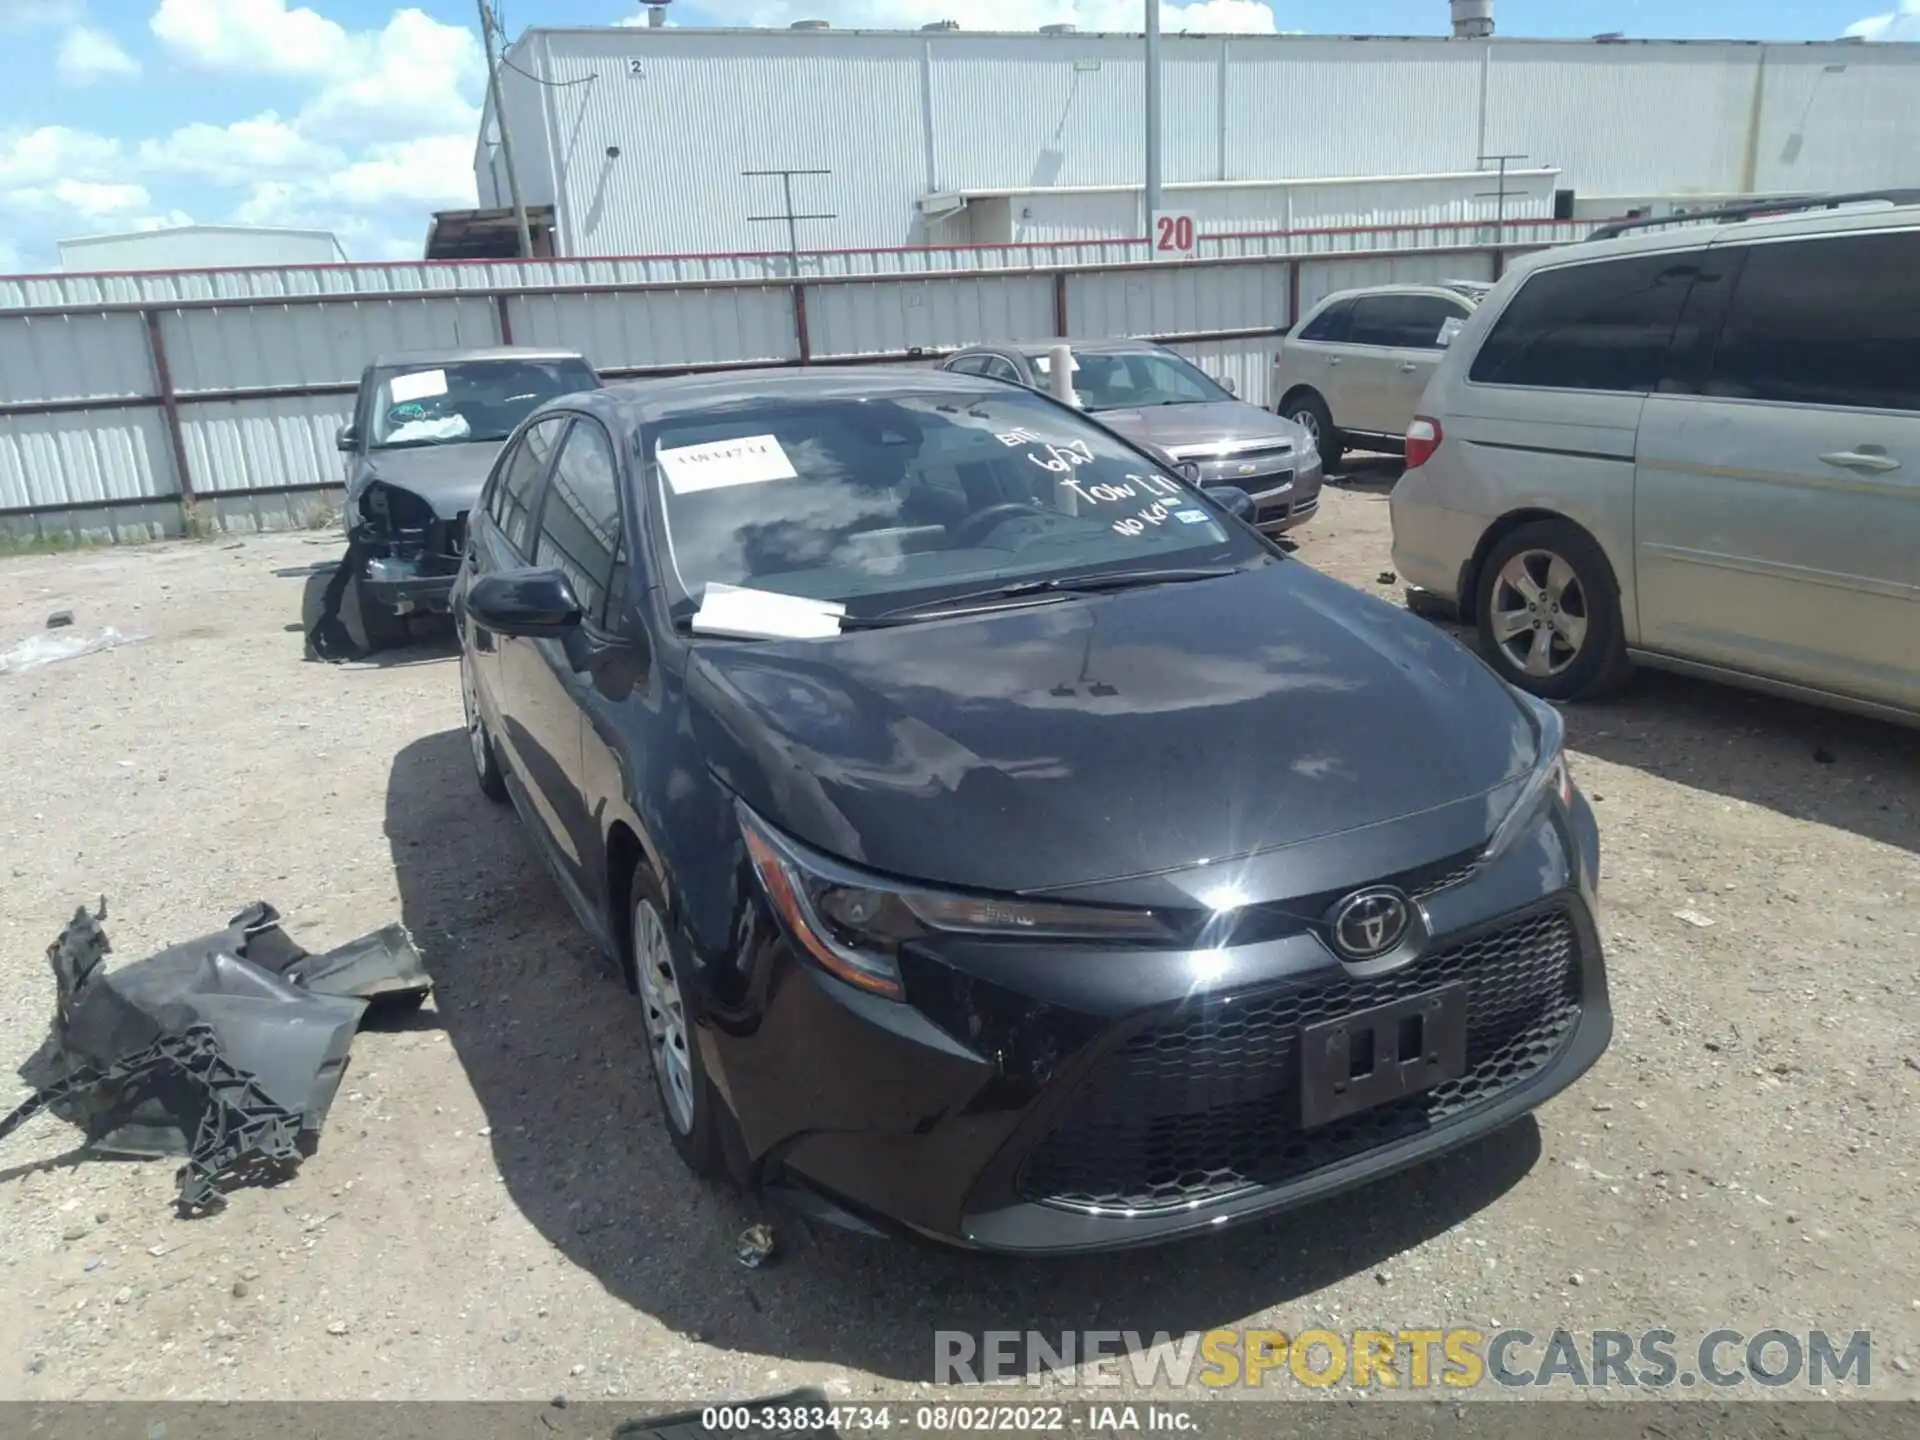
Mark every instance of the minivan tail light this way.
pixel 1423 438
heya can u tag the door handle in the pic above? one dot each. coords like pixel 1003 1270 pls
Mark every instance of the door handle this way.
pixel 1872 459
pixel 1333 360
pixel 1408 367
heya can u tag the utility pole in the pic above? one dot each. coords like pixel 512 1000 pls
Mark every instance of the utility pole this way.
pixel 487 36
pixel 788 214
pixel 1153 113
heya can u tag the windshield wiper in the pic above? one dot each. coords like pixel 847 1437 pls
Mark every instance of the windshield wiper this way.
pixel 1055 585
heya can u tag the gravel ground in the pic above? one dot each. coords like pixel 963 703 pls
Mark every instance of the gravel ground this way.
pixel 495 1213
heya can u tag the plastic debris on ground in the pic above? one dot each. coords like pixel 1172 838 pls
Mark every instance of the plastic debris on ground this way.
pixel 755 1246
pixel 49 647
pixel 227 1049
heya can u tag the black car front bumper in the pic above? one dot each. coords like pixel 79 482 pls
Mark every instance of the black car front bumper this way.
pixel 1046 1118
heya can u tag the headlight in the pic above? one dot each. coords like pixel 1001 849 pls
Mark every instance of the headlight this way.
pixel 1552 778
pixel 853 924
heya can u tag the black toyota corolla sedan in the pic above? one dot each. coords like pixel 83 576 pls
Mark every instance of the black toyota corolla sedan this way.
pixel 1004 842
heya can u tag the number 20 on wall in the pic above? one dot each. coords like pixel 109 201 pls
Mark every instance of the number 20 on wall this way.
pixel 1174 235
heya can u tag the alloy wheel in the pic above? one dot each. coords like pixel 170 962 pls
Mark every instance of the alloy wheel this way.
pixel 476 728
pixel 667 1037
pixel 1309 422
pixel 1539 613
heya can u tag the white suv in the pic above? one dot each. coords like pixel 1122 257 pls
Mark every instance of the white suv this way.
pixel 1695 446
pixel 1351 372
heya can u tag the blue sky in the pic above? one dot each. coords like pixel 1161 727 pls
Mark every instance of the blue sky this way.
pixel 359 116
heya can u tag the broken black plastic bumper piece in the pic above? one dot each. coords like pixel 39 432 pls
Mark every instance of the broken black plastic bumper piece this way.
pixel 227 1049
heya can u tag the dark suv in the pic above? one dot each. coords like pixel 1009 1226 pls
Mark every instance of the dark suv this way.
pixel 1006 843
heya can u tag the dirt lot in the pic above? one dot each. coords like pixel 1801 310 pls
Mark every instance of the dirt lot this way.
pixel 495 1212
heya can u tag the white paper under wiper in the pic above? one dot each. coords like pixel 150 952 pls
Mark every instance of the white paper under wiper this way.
pixel 747 614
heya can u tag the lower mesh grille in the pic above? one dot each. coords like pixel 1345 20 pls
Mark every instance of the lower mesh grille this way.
pixel 1203 1104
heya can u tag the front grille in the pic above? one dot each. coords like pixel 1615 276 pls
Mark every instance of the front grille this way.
pixel 1204 1103
pixel 1255 450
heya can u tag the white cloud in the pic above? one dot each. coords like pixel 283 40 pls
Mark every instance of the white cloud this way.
pixel 1901 24
pixel 250 35
pixel 88 54
pixel 374 128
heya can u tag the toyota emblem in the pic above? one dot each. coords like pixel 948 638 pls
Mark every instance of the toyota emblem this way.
pixel 1369 923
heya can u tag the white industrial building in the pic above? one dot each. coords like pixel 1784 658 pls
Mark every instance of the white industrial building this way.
pixel 198 247
pixel 633 140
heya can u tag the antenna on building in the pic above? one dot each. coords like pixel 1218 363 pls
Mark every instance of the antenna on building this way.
pixel 789 214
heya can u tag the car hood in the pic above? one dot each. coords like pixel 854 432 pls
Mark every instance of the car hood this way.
pixel 448 477
pixel 1062 745
pixel 1173 427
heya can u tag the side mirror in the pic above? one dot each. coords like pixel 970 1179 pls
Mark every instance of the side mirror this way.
pixel 1232 499
pixel 1226 384
pixel 533 604
pixel 346 438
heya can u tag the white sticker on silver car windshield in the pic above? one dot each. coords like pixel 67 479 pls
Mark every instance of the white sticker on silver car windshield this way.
pixel 750 460
pixel 421 385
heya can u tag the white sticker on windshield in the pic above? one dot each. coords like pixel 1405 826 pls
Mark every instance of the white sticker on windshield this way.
pixel 750 460
pixel 1192 517
pixel 421 385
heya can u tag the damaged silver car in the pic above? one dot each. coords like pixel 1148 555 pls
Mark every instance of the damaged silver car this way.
pixel 425 430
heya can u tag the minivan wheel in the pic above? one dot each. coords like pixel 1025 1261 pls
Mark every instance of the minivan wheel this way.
pixel 1549 612
pixel 687 1098
pixel 1309 412
pixel 486 760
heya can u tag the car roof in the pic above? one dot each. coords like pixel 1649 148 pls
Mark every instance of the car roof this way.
pixel 472 353
pixel 672 397
pixel 1698 235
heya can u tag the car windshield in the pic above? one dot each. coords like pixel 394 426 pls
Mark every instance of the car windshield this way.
pixel 452 404
pixel 1133 380
pixel 904 498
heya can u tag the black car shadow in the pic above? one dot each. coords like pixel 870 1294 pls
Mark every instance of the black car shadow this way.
pixel 1367 473
pixel 553 1046
pixel 1798 760
pixel 431 638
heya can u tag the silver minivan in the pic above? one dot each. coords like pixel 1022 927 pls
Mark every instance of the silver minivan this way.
pixel 1693 446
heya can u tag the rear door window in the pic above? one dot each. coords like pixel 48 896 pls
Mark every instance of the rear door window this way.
pixel 1825 322
pixel 580 517
pixel 1402 322
pixel 511 505
pixel 1330 324
pixel 1605 325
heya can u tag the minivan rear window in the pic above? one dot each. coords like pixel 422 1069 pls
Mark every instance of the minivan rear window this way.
pixel 1831 321
pixel 1604 325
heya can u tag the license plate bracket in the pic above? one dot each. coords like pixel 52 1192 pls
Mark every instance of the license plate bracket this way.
pixel 1354 1062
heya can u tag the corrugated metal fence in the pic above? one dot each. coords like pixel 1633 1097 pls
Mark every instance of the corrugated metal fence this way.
pixel 133 404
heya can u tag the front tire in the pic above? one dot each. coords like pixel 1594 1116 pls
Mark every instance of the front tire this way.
pixel 1548 612
pixel 486 759
pixel 689 1104
pixel 1307 410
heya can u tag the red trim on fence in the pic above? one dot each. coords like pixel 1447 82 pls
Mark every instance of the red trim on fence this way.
pixel 772 256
